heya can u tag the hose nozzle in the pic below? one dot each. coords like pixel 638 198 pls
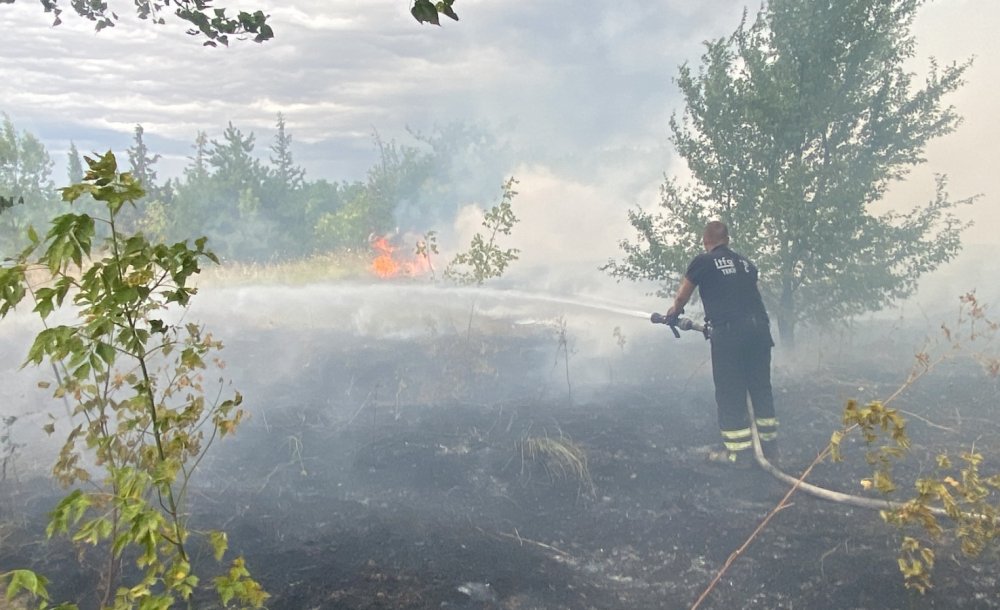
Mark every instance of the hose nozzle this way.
pixel 676 323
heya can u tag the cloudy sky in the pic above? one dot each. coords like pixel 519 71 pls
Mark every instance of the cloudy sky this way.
pixel 584 88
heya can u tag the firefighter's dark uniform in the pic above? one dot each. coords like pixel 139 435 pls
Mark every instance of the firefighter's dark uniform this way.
pixel 741 345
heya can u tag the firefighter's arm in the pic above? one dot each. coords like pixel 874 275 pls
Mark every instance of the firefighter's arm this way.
pixel 683 296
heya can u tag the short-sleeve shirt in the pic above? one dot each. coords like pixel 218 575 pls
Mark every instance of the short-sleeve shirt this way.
pixel 727 282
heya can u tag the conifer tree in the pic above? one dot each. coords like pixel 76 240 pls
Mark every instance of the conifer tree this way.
pixel 289 176
pixel 74 164
pixel 142 162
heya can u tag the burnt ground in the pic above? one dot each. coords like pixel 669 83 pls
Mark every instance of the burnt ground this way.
pixel 399 473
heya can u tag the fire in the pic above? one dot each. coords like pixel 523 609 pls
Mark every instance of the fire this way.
pixel 386 265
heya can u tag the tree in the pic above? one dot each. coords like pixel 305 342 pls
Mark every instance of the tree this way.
pixel 233 161
pixel 221 197
pixel 392 189
pixel 395 185
pixel 485 259
pixel 337 214
pixel 74 165
pixel 141 422
pixel 25 177
pixel 142 162
pixel 793 127
pixel 190 211
pixel 236 184
pixel 187 212
pixel 212 23
pixel 289 176
pixel 198 170
pixel 284 198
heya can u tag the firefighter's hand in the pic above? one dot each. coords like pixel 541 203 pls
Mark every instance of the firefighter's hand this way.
pixel 659 318
pixel 673 314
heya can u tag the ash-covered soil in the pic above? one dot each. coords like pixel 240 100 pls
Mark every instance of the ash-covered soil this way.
pixel 473 469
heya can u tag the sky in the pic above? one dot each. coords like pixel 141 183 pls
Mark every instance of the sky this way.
pixel 584 88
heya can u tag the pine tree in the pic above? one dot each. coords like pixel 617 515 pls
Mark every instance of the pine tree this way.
pixel 288 176
pixel 74 165
pixel 198 170
pixel 142 163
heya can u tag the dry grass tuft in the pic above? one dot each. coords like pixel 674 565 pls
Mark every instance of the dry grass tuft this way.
pixel 561 458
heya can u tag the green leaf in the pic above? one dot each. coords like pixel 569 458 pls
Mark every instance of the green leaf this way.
pixel 265 33
pixel 219 542
pixel 425 12
pixel 44 302
pixel 444 7
pixel 82 372
pixel 106 352
pixel 26 580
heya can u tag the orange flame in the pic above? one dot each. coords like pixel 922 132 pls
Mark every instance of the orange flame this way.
pixel 385 265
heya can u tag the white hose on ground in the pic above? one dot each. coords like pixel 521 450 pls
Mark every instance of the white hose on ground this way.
pixel 815 490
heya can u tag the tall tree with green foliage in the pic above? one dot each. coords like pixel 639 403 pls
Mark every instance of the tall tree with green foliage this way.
pixel 74 164
pixel 198 170
pixel 236 188
pixel 25 178
pixel 221 196
pixel 283 197
pixel 395 182
pixel 186 210
pixel 793 127
pixel 336 213
pixel 284 171
pixel 142 161
pixel 233 160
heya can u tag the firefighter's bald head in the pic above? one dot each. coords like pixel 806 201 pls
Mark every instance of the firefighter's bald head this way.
pixel 716 234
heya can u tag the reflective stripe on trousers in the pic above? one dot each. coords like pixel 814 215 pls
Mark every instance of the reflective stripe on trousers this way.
pixel 737 440
pixel 742 439
pixel 767 428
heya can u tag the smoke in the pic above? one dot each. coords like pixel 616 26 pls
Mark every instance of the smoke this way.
pixel 582 95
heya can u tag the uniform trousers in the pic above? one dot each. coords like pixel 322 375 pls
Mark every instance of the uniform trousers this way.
pixel 741 366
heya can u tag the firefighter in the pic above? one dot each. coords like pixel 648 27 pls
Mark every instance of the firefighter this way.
pixel 741 344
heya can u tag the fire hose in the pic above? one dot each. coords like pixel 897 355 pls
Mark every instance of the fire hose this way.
pixel 678 324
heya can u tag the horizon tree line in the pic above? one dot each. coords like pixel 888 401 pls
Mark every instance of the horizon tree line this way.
pixel 256 209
